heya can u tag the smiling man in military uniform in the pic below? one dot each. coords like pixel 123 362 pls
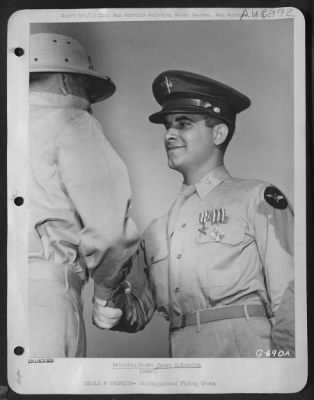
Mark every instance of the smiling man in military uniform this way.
pixel 220 261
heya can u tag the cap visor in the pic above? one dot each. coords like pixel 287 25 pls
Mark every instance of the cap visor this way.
pixel 159 117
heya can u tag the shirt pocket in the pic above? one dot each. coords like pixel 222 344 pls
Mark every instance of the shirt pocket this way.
pixel 157 259
pixel 221 264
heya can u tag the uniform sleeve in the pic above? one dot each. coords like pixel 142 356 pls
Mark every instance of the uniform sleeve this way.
pixel 96 180
pixel 138 305
pixel 274 231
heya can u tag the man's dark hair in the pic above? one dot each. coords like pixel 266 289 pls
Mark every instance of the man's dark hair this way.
pixel 212 121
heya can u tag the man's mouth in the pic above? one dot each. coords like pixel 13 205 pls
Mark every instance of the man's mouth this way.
pixel 173 147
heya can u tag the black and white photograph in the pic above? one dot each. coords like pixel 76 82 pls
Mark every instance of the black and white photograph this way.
pixel 156 172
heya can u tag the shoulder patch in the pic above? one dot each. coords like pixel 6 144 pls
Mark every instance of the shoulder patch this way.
pixel 275 198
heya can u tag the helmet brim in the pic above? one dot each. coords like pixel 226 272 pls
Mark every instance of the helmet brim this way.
pixel 101 86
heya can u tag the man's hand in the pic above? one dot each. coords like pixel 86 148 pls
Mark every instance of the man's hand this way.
pixel 105 317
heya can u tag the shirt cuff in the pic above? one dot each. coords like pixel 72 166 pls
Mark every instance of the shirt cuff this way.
pixel 103 293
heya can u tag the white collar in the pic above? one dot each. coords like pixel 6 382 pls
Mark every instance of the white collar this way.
pixel 211 180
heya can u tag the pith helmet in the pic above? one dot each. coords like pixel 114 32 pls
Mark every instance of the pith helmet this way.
pixel 52 52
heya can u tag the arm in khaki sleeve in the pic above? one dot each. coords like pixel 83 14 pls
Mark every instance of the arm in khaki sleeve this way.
pixel 137 302
pixel 274 231
pixel 96 180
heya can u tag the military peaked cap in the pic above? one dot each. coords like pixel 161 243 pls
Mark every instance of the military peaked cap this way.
pixel 186 92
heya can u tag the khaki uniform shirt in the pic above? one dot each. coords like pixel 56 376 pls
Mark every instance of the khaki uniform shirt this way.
pixel 232 242
pixel 79 192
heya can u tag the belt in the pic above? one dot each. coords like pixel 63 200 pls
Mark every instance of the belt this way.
pixel 217 314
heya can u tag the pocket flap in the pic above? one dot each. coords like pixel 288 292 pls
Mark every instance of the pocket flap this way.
pixel 156 251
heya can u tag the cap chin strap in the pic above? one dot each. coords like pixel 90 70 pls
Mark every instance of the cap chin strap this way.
pixel 220 110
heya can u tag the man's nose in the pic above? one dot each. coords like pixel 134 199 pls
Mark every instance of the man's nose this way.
pixel 171 133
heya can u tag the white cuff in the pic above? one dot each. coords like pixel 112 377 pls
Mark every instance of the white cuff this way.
pixel 100 302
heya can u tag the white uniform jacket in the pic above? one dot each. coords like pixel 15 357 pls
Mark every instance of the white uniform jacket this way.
pixel 79 192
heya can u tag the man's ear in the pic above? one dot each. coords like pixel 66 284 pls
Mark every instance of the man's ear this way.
pixel 220 133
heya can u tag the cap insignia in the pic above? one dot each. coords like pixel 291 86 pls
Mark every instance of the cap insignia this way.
pixel 167 83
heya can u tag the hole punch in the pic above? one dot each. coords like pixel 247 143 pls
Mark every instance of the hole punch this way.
pixel 18 51
pixel 18 350
pixel 18 201
pixel 66 60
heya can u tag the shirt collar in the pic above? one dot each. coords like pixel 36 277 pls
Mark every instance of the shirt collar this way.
pixel 57 100
pixel 211 180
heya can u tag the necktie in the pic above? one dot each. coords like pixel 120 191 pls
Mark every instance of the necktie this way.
pixel 174 212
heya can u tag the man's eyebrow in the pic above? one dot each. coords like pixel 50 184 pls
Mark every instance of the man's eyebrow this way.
pixel 179 119
pixel 183 118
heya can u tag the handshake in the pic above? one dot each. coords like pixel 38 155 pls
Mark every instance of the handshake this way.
pixel 104 316
pixel 107 314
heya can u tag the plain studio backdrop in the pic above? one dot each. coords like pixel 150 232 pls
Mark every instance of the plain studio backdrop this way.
pixel 255 57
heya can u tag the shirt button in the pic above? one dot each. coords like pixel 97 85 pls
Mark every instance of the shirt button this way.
pixel 183 225
pixel 179 256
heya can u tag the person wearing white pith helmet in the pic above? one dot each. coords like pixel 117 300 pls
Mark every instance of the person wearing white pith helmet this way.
pixel 79 196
